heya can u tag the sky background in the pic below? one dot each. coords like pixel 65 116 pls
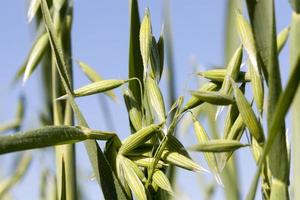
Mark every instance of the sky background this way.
pixel 101 39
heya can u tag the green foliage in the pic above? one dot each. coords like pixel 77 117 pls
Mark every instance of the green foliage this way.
pixel 141 166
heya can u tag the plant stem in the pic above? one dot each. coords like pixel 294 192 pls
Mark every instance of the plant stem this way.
pixel 65 154
pixel 171 74
pixel 294 54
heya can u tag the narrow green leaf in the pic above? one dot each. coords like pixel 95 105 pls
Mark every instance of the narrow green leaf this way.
pixel 55 45
pixel 135 57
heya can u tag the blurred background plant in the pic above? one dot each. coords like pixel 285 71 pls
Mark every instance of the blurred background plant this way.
pixel 239 106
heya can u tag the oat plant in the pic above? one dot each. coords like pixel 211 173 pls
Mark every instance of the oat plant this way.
pixel 142 165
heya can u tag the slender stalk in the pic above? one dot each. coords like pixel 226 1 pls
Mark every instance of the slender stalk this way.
pixel 69 150
pixel 57 120
pixel 295 53
pixel 69 159
pixel 262 16
pixel 171 81
pixel 231 37
pixel 230 173
pixel 102 170
pixel 278 165
pixel 65 154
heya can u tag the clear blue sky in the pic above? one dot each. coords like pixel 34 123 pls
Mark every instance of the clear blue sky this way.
pixel 100 38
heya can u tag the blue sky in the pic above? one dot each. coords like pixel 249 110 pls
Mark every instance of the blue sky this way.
pixel 100 38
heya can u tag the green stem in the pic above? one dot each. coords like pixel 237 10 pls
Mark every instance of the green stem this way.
pixel 171 75
pixel 102 170
pixel 65 154
pixel 230 173
pixel 262 16
pixel 69 149
pixel 294 54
